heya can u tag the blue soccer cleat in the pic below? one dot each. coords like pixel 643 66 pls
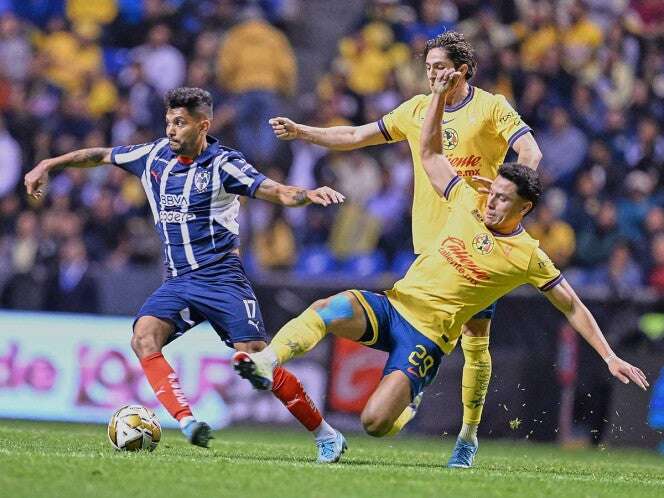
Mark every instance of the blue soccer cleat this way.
pixel 198 433
pixel 331 449
pixel 463 455
pixel 250 367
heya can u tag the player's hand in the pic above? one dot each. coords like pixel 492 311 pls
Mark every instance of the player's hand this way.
pixel 483 184
pixel 446 81
pixel 324 196
pixel 284 128
pixel 625 372
pixel 36 180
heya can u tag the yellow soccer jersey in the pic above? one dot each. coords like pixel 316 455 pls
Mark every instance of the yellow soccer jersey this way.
pixel 466 269
pixel 478 132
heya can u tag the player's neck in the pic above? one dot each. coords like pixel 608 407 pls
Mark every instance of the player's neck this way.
pixel 506 228
pixel 189 158
pixel 458 95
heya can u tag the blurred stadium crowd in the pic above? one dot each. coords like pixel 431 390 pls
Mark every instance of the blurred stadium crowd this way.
pixel 587 76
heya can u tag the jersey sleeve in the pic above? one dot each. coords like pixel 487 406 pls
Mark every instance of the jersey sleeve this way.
pixel 393 125
pixel 461 195
pixel 132 158
pixel 507 121
pixel 239 177
pixel 542 273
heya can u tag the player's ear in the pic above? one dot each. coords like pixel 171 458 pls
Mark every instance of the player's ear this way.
pixel 526 208
pixel 205 126
pixel 463 69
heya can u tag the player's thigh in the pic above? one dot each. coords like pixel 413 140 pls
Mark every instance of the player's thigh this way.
pixel 386 403
pixel 480 324
pixel 250 346
pixel 477 327
pixel 342 315
pixel 165 315
pixel 225 297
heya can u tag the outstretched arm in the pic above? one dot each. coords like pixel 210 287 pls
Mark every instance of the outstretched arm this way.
pixel 334 137
pixel 563 297
pixel 529 153
pixel 435 164
pixel 36 179
pixel 289 196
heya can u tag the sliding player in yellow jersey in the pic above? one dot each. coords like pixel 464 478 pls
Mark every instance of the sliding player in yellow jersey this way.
pixel 478 130
pixel 476 258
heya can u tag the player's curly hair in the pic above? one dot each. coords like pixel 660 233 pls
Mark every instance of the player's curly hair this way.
pixel 196 100
pixel 528 184
pixel 458 50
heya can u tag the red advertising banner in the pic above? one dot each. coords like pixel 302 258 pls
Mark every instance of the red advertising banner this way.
pixel 355 372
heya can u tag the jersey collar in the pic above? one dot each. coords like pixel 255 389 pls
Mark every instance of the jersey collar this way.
pixel 467 98
pixel 516 231
pixel 212 149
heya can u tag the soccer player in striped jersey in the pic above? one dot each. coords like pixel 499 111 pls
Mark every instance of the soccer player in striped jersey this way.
pixel 476 258
pixel 192 183
pixel 479 129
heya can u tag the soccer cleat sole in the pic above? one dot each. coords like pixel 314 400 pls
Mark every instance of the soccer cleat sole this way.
pixel 201 435
pixel 246 368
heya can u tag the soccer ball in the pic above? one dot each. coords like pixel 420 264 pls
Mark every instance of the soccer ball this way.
pixel 133 428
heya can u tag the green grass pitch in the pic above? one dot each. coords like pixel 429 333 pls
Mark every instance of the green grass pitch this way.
pixel 63 460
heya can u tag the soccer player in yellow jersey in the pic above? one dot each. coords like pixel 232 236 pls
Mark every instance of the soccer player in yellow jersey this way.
pixel 477 257
pixel 478 130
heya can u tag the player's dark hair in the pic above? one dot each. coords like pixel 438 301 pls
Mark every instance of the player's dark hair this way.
pixel 457 48
pixel 196 100
pixel 526 179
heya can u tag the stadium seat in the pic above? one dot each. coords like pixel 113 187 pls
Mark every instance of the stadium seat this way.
pixel 315 260
pixel 366 265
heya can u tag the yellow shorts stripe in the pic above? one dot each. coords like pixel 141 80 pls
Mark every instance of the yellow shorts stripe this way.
pixel 373 321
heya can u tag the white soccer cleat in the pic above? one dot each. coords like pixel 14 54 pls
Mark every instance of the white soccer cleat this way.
pixel 254 369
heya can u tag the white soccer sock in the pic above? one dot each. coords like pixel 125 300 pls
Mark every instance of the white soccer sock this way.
pixel 185 421
pixel 469 433
pixel 268 356
pixel 324 431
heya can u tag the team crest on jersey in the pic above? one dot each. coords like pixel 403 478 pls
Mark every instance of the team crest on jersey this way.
pixel 450 138
pixel 483 243
pixel 201 180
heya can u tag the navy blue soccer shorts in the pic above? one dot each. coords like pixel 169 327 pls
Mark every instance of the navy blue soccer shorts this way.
pixel 487 313
pixel 219 293
pixel 408 350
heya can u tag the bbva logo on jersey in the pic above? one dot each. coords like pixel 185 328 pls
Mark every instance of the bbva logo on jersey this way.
pixel 201 180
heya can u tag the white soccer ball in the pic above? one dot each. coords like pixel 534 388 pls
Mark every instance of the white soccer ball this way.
pixel 134 428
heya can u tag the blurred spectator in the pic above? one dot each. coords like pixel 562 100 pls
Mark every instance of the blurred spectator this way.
pixel 434 17
pixel 11 160
pixel 257 65
pixel 633 208
pixel 656 274
pixel 555 236
pixel 71 287
pixel 595 245
pixel 15 51
pixel 563 148
pixel 621 275
pixel 164 65
pixel 581 36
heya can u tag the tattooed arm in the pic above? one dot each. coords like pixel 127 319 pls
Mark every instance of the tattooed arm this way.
pixel 289 196
pixel 36 179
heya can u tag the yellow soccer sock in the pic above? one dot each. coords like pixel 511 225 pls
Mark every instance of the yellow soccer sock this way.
pixel 401 421
pixel 298 336
pixel 476 377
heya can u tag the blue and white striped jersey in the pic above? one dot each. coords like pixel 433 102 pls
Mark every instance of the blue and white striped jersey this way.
pixel 195 206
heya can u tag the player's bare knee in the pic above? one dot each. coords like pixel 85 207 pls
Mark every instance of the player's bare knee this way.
pixel 479 327
pixel 146 337
pixel 375 424
pixel 250 347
